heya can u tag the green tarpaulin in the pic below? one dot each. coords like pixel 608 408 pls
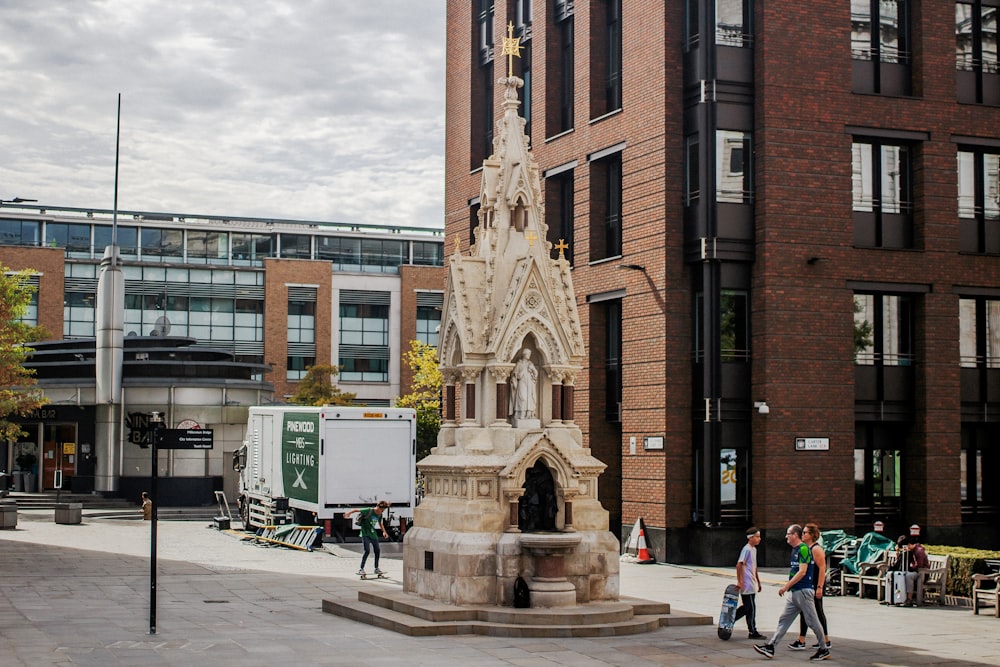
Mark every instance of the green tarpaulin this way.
pixel 870 549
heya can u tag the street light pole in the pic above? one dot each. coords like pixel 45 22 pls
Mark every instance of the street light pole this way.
pixel 155 425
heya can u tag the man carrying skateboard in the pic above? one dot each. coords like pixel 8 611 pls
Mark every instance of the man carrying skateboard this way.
pixel 367 518
pixel 749 582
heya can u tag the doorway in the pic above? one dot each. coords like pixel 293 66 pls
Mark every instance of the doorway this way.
pixel 58 455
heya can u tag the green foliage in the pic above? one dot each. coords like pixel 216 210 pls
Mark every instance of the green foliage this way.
pixel 19 393
pixel 317 388
pixel 425 394
pixel 964 563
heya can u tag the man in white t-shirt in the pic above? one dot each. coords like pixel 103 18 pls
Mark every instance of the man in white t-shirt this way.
pixel 749 582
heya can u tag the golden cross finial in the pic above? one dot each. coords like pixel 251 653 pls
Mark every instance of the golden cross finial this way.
pixel 511 47
pixel 458 245
pixel 561 246
pixel 531 236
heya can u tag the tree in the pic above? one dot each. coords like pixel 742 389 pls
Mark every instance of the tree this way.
pixel 317 388
pixel 19 393
pixel 425 394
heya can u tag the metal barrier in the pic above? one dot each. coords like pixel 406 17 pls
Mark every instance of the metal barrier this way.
pixel 291 535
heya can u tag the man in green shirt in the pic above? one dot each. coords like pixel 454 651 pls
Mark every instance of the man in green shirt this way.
pixel 367 518
pixel 801 589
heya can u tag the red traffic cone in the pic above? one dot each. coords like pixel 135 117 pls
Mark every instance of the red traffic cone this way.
pixel 644 558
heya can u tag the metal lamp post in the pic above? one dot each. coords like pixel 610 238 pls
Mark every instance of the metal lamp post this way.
pixel 155 426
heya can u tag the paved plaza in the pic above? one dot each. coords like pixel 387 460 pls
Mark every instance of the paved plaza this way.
pixel 79 595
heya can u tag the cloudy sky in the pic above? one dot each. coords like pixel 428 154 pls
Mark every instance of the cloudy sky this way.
pixel 328 110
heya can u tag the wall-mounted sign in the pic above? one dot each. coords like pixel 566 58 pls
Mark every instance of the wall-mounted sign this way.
pixel 69 448
pixel 652 442
pixel 812 444
pixel 180 438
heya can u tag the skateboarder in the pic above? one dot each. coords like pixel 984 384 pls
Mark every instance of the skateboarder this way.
pixel 749 582
pixel 366 522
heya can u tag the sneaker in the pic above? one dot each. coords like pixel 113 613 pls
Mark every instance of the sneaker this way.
pixel 360 572
pixel 766 650
pixel 817 646
pixel 378 571
pixel 822 654
pixel 756 635
pixel 797 645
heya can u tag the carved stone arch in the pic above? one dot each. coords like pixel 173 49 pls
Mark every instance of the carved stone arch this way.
pixel 546 342
pixel 453 347
pixel 519 212
pixel 560 470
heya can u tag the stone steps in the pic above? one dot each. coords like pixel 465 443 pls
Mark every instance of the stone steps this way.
pixel 417 617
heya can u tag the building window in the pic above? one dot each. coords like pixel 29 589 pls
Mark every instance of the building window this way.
pixel 559 208
pixel 482 82
pixel 613 360
pixel 301 331
pixel 20 232
pixel 734 326
pixel 979 333
pixel 251 249
pixel 878 471
pixel 362 255
pixel 75 239
pixel 691 28
pixel 692 181
pixel 734 173
pixel 880 46
pixel 605 57
pixel 560 69
pixel 976 57
pixel 30 315
pixel 732 23
pixel 128 240
pixel 295 246
pixel 297 367
pixel 205 247
pixel 78 315
pixel 162 245
pixel 429 317
pixel 364 336
pixel 521 11
pixel 883 326
pixel 354 369
pixel 979 201
pixel 428 253
pixel 606 207
pixel 980 458
pixel 882 195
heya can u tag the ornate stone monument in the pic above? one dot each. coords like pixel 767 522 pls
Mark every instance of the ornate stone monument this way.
pixel 510 489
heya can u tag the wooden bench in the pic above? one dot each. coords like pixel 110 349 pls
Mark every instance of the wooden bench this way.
pixel 933 579
pixel 868 574
pixel 986 593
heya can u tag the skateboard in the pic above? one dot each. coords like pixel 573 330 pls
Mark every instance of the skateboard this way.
pixel 373 576
pixel 727 617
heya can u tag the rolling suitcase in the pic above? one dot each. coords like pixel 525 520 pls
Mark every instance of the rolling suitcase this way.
pixel 895 583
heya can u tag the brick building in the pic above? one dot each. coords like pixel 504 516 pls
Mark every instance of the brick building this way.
pixel 277 294
pixel 784 224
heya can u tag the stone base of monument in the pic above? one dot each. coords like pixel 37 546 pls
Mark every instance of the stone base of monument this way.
pixel 412 615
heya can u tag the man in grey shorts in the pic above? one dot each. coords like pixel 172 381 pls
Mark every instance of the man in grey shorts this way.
pixel 801 599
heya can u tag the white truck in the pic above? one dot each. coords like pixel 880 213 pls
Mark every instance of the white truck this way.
pixel 304 465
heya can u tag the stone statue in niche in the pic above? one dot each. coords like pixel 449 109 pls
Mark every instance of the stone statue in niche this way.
pixel 537 508
pixel 524 387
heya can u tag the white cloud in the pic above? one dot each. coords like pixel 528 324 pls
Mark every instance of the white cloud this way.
pixel 329 110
